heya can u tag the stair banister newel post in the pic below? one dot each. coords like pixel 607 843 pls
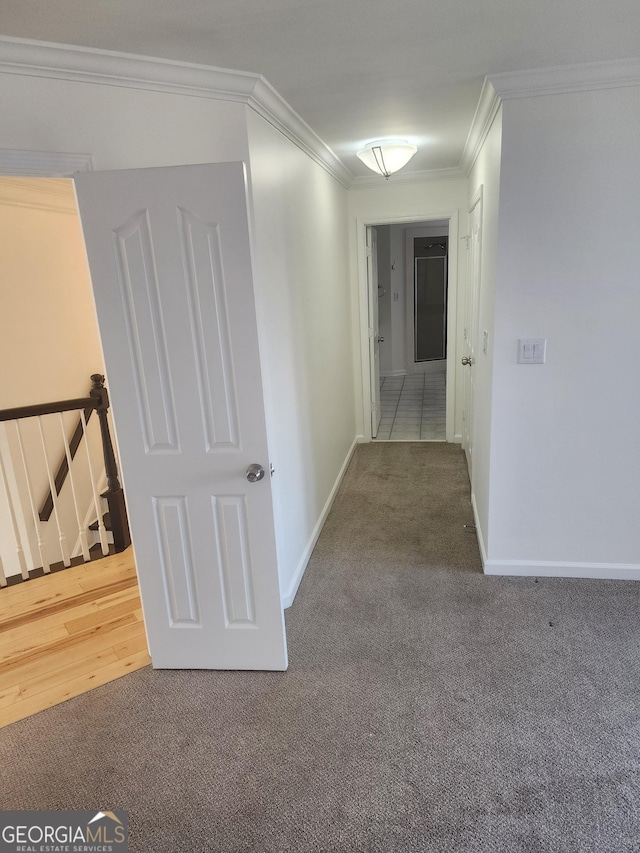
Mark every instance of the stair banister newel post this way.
pixel 114 494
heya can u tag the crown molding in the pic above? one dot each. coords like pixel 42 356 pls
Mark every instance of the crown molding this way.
pixel 561 79
pixel 427 175
pixel 131 71
pixel 488 105
pixel 43 194
pixel 110 68
pixel 266 102
pixel 556 80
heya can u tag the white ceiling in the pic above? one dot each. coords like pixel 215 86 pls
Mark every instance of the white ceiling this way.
pixel 355 70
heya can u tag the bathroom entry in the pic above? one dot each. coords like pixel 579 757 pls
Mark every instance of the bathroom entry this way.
pixel 411 274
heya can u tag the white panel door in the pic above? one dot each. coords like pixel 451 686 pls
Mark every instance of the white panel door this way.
pixel 471 328
pixel 374 327
pixel 170 262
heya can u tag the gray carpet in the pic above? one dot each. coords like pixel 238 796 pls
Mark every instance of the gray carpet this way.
pixel 426 708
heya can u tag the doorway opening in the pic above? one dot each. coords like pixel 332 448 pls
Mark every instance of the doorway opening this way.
pixel 409 368
pixel 63 632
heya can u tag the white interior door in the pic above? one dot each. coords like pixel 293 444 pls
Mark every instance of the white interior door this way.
pixel 170 262
pixel 471 327
pixel 374 327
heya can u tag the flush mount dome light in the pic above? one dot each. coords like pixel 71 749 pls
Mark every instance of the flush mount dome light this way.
pixel 387 156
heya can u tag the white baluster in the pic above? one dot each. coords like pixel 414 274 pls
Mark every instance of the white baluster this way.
pixel 46 568
pixel 102 533
pixel 62 539
pixel 82 533
pixel 14 525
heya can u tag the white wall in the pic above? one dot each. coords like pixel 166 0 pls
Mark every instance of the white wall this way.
pixel 485 177
pixel 411 201
pixel 564 454
pixel 48 325
pixel 304 308
pixel 121 128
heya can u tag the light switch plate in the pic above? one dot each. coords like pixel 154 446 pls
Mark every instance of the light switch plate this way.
pixel 532 350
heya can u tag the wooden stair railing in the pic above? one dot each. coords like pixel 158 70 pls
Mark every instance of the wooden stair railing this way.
pixel 114 494
pixel 97 400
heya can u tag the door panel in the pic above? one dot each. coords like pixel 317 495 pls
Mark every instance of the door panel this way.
pixel 170 262
pixel 374 327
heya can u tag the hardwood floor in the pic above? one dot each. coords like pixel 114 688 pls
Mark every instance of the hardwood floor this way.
pixel 66 633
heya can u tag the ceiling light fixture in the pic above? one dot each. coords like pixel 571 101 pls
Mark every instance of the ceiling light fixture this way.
pixel 387 156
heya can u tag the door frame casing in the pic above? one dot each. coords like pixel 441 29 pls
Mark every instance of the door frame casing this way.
pixel 471 338
pixel 374 326
pixel 43 164
pixel 452 216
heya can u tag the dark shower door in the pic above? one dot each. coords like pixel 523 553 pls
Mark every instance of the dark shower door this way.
pixel 430 308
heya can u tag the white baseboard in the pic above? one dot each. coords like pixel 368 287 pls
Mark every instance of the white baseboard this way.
pixel 547 569
pixel 457 438
pixel 481 545
pixel 289 595
pixel 512 568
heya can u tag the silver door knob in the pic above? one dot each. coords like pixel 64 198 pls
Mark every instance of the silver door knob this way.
pixel 255 472
pixel 467 360
pixel 380 340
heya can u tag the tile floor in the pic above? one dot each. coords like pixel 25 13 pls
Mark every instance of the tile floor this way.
pixel 413 408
